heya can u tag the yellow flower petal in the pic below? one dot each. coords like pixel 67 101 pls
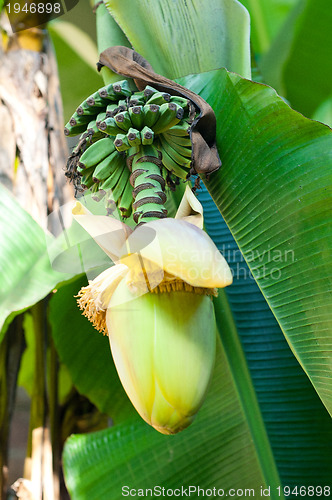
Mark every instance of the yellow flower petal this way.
pixel 108 232
pixel 182 250
pixel 190 209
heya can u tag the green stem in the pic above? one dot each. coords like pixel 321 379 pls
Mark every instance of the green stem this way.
pixel 149 187
pixel 54 415
pixel 37 411
pixel 108 34
pixel 256 11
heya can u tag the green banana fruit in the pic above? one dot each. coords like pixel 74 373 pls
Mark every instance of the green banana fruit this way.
pixel 125 203
pixel 151 114
pixel 173 167
pixel 121 142
pixel 182 129
pixel 175 155
pixel 122 88
pixel 100 118
pixel 149 91
pixel 107 166
pixel 97 152
pixel 96 101
pixel 137 99
pixel 123 120
pixel 121 184
pixel 70 131
pixel 169 115
pixel 159 98
pixel 134 137
pixel 137 117
pixel 109 126
pixel 177 139
pixel 182 150
pixel 147 136
pixel 181 101
pixel 112 109
pixel 111 181
pixel 85 109
pixel 86 180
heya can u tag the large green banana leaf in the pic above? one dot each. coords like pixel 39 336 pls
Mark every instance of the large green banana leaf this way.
pixel 274 191
pixel 267 16
pixel 298 426
pixel 299 62
pixel 25 269
pixel 186 37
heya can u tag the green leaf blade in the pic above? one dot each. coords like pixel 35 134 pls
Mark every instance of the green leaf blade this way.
pixel 26 272
pixel 274 192
pixel 293 414
pixel 193 38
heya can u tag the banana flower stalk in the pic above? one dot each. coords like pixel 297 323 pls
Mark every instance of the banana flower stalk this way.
pixel 155 305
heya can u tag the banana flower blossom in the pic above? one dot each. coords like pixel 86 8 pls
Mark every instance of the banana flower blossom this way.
pixel 156 306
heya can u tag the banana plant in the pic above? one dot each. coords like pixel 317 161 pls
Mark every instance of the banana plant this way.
pixel 260 420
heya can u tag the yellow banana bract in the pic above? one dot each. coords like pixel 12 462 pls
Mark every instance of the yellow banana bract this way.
pixel 155 305
pixel 163 346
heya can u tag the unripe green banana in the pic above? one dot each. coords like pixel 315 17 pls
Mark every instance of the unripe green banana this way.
pixel 111 181
pixel 151 114
pixel 86 179
pixel 110 127
pixel 122 88
pixel 100 118
pixel 85 109
pixel 175 155
pixel 182 129
pixel 70 131
pixel 137 99
pixel 177 139
pixel 96 101
pixel 123 120
pixel 97 152
pixel 181 101
pixel 121 142
pixel 126 201
pixel 159 98
pixel 108 93
pixel 83 170
pixel 122 104
pixel 93 134
pixel 147 136
pixel 106 167
pixel 169 115
pixel 137 117
pixel 120 186
pixel 181 150
pixel 112 109
pixel 173 167
pixel 134 137
pixel 149 91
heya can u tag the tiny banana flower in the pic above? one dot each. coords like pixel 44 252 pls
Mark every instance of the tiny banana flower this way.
pixel 155 305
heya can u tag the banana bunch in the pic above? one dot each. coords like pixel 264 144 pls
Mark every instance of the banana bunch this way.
pixel 116 125
pixel 104 171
